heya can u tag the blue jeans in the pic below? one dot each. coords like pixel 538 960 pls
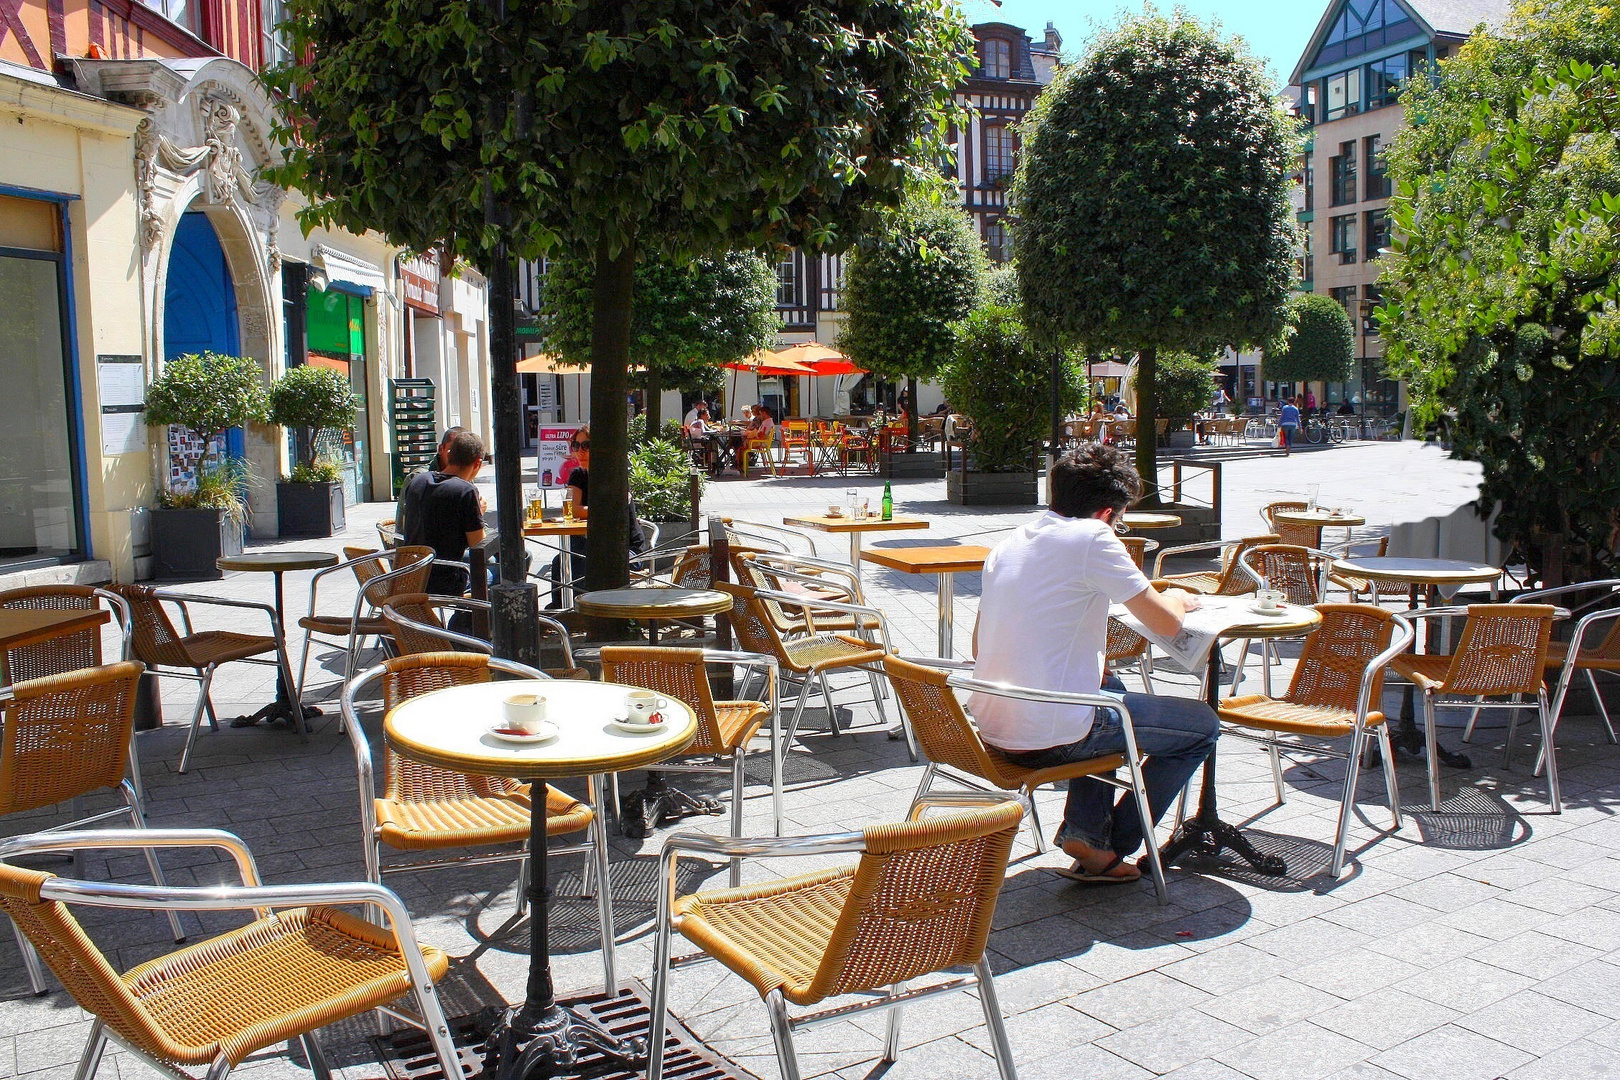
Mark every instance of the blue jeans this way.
pixel 1173 735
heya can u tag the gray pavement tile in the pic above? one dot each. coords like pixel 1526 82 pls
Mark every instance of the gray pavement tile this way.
pixel 1091 1062
pixel 1594 987
pixel 1582 1058
pixel 1466 1055
pixel 1465 984
pixel 943 1059
pixel 1447 891
pixel 1533 1022
pixel 1136 1000
pixel 1299 1050
pixel 1354 973
pixel 1043 1032
pixel 1428 946
pixel 1557 896
pixel 1221 971
pixel 1385 1019
pixel 1173 1041
pixel 1128 955
pixel 1496 918
pixel 1380 914
pixel 1266 1006
pixel 1363 1070
pixel 1208 1069
pixel 1309 939
pixel 1538 955
pixel 1596 926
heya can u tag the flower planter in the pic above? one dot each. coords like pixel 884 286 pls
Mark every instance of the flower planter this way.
pixel 918 465
pixel 188 543
pixel 309 509
pixel 991 489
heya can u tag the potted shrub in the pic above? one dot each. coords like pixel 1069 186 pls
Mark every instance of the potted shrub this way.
pixel 1185 386
pixel 1002 383
pixel 193 526
pixel 310 501
pixel 661 484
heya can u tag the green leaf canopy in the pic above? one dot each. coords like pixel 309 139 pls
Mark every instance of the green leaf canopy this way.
pixel 1002 382
pixel 1317 342
pixel 208 393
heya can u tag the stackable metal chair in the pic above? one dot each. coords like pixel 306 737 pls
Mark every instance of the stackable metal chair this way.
pixel 920 901
pixel 292 971
pixel 1336 693
pixel 725 728
pixel 1502 653
pixel 64 736
pixel 1295 535
pixel 380 574
pixel 196 655
pixel 418 626
pixel 953 749
pixel 423 808
pixel 1229 580
pixel 1583 652
pixel 1299 573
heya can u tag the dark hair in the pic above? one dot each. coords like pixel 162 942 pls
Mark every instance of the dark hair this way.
pixel 1092 478
pixel 449 434
pixel 581 432
pixel 466 448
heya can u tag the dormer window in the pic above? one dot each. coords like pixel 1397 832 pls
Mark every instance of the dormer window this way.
pixel 997 58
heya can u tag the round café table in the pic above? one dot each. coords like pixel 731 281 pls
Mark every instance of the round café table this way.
pixel 449 729
pixel 1319 520
pixel 1204 833
pixel 278 563
pixel 1428 577
pixel 1141 520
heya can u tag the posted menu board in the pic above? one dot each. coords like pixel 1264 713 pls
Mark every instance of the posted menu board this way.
pixel 552 452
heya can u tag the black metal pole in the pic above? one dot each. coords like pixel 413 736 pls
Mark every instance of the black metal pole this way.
pixel 515 601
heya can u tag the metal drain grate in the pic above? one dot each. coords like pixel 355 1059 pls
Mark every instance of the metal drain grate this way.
pixel 407 1055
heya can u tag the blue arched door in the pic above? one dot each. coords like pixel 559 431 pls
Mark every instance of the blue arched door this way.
pixel 199 307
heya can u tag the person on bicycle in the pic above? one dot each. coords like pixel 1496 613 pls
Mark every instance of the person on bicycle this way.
pixel 1288 424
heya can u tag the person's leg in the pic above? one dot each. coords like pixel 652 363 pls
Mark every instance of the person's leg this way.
pixel 1174 736
pixel 1089 810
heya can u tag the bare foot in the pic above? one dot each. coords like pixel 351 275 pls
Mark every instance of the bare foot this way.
pixel 1099 861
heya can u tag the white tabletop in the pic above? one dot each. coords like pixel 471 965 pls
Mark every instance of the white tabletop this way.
pixel 1420 571
pixel 450 729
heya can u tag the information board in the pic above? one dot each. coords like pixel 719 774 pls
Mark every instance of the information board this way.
pixel 552 451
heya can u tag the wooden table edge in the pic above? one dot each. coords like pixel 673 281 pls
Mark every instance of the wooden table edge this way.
pixel 850 524
pixel 885 557
pixel 82 620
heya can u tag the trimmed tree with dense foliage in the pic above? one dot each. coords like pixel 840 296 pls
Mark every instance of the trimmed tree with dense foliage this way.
pixel 1186 384
pixel 672 129
pixel 313 397
pixel 208 393
pixel 1502 297
pixel 1317 342
pixel 905 286
pixel 686 321
pixel 1153 202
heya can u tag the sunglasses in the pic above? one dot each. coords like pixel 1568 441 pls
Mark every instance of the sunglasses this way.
pixel 582 446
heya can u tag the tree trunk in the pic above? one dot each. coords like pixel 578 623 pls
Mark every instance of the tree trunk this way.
pixel 654 413
pixel 1147 429
pixel 911 414
pixel 607 541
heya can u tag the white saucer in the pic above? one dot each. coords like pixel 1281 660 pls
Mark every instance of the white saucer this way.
pixel 545 734
pixel 1269 612
pixel 635 729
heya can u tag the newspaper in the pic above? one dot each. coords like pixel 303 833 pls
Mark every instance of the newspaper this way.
pixel 1199 631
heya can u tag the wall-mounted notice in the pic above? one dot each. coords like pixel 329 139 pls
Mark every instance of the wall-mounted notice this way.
pixel 121 383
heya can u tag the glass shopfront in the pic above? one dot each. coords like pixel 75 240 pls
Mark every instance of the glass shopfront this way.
pixel 40 519
pixel 335 325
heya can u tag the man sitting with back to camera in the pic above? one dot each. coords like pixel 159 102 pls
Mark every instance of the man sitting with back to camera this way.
pixel 448 513
pixel 1043 623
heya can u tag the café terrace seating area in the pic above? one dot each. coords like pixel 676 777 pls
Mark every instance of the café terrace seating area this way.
pixel 773 769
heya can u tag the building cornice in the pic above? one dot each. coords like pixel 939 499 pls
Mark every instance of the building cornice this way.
pixel 34 100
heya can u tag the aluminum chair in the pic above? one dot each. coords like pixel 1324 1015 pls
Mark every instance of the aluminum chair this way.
pixel 296 969
pixel 418 627
pixel 1358 585
pixel 954 750
pixel 1294 535
pixel 1229 580
pixel 920 901
pixel 1581 653
pixel 1299 573
pixel 379 574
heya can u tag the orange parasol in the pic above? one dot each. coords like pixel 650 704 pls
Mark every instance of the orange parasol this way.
pixel 767 363
pixel 822 359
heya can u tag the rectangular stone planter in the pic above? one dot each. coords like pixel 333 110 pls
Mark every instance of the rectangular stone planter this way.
pixel 187 543
pixel 991 489
pixel 309 509
pixel 922 465
pixel 1198 524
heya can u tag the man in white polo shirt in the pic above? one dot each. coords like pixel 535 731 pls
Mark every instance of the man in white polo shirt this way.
pixel 1043 623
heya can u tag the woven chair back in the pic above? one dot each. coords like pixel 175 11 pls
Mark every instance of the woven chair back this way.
pixel 746 572
pixel 921 900
pixel 692 569
pixel 74 959
pixel 1233 581
pixel 752 625
pixel 416 560
pixel 1503 650
pixel 677 673
pixel 1293 571
pixel 1336 656
pixel 408 781
pixel 1123 642
pixel 66 735
pixel 940 725
pixel 1137 546
pixel 155 640
pixel 70 652
pixel 1295 535
pixel 420 608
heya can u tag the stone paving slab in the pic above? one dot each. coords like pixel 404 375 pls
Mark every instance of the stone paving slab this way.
pixel 1479 941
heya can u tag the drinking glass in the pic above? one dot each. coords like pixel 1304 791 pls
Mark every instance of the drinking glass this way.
pixel 1313 491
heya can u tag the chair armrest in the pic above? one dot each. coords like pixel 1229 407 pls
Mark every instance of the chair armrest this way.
pixel 115 839
pixel 939 662
pixel 1578 640
pixel 1030 693
pixel 810 605
pixel 183 599
pixel 762 847
pixel 954 799
pixel 1399 643
pixel 1183 549
pixel 1612 584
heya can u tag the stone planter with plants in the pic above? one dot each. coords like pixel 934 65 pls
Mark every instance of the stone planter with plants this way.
pixel 661 487
pixel 195 524
pixel 310 501
pixel 1185 385
pixel 1002 383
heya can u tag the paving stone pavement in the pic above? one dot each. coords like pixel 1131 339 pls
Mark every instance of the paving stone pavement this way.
pixel 1482 940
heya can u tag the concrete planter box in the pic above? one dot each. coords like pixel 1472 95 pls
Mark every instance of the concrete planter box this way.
pixel 309 509
pixel 922 465
pixel 1198 524
pixel 187 543
pixel 1178 440
pixel 991 489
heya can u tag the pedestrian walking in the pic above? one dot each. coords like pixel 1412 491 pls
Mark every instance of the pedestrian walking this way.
pixel 1288 423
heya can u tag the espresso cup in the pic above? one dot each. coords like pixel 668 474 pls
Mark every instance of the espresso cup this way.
pixel 1270 599
pixel 525 712
pixel 641 707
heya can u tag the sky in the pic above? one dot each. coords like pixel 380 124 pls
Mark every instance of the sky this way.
pixel 1275 29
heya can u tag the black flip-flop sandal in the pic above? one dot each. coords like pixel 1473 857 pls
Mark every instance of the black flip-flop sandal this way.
pixel 1101 877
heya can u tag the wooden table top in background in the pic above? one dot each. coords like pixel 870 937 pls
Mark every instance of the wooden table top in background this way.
pixel 276 562
pixel 1142 519
pixel 24 626
pixel 555 527
pixel 1320 518
pixel 848 524
pixel 940 559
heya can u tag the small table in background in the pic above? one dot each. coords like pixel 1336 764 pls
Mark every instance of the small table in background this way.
pixel 448 729
pixel 1142 520
pixel 1319 520
pixel 560 530
pixel 945 560
pixel 279 563
pixel 856 528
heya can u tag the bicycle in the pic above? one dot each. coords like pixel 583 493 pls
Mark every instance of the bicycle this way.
pixel 1312 430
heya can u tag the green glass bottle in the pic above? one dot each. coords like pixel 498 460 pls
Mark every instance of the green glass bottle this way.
pixel 888 502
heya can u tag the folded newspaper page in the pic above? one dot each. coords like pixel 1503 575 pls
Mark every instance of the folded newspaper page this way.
pixel 1190 648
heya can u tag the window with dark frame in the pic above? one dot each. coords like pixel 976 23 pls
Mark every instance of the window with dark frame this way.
pixel 1377 228
pixel 1384 79
pixel 180 12
pixel 1342 234
pixel 1342 175
pixel 998 241
pixel 1345 297
pixel 1378 186
pixel 998 153
pixel 787 284
pixel 997 58
pixel 1343 94
pixel 1309 178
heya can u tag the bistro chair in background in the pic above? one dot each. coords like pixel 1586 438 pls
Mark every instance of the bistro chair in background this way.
pixel 1584 651
pixel 920 901
pixel 1229 580
pixel 379 575
pixel 294 970
pixel 418 625
pixel 1355 584
pixel 1296 535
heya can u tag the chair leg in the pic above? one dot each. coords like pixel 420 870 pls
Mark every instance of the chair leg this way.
pixel 805 687
pixel 1603 710
pixel 923 786
pixel 1181 809
pixel 94 1046
pixel 604 890
pixel 832 711
pixel 1513 729
pixel 1348 804
pixel 1267 652
pixel 1036 830
pixel 1473 718
pixel 1431 755
pixel 137 817
pixel 303 669
pixel 1242 666
pixel 1391 784
pixel 658 1012
pixel 196 717
pixel 437 1029
pixel 220 1068
pixel 36 970
pixel 317 1057
pixel 1139 790
pixel 300 721
pixel 1551 749
pixel 999 1046
pixel 782 1034
pixel 736 811
pixel 135 777
pixel 891 1034
pixel 1276 769
pixel 1145 669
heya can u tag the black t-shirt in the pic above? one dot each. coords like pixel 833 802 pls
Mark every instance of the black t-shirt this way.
pixel 581 479
pixel 445 510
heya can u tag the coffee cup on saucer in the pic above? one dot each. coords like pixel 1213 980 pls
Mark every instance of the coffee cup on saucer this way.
pixel 641 708
pixel 1269 600
pixel 525 712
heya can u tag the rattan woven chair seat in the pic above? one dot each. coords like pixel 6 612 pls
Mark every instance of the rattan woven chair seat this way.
pixel 1558 651
pixel 829 650
pixel 775 934
pixel 338 626
pixel 1207 584
pixel 1427 671
pixel 269 981
pixel 578 674
pixel 223 646
pixel 1269 714
pixel 1014 777
pixel 428 825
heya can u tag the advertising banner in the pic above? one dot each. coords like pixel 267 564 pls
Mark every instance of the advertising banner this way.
pixel 553 453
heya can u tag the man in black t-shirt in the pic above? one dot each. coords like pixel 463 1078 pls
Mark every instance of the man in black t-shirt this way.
pixel 450 515
pixel 410 496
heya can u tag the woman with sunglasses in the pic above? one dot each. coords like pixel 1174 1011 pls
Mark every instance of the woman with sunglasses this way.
pixel 578 499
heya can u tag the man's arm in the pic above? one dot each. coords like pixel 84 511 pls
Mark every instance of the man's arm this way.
pixel 1163 612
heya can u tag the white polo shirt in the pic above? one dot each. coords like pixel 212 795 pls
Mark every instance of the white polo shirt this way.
pixel 1043 623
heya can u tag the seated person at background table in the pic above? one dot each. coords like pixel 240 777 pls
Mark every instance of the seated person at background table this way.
pixel 692 413
pixel 1043 623
pixel 579 499
pixel 763 424
pixel 450 513
pixel 1346 409
pixel 411 494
